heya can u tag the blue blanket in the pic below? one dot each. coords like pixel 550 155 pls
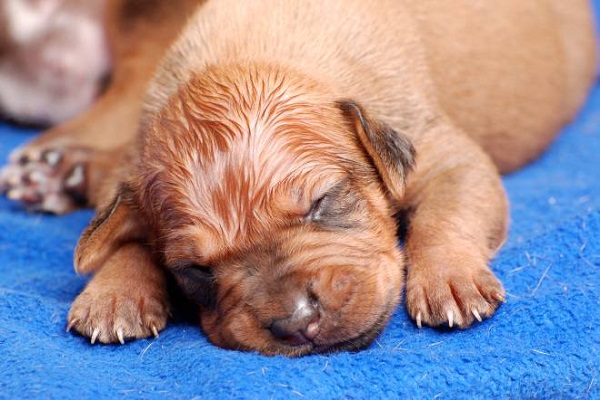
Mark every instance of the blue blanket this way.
pixel 543 343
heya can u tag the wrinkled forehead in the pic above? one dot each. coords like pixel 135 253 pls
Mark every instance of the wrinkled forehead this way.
pixel 259 178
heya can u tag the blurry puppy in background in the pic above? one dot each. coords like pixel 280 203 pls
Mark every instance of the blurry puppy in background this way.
pixel 265 148
pixel 53 58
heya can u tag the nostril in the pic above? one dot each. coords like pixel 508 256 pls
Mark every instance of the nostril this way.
pixel 312 329
pixel 301 327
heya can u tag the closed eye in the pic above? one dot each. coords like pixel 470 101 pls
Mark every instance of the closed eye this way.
pixel 196 271
pixel 191 268
pixel 196 281
pixel 316 207
pixel 337 208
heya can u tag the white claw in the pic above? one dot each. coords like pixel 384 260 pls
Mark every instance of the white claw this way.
pixel 15 194
pixel 154 331
pixel 450 315
pixel 77 176
pixel 55 203
pixel 499 297
pixel 120 336
pixel 37 177
pixel 53 157
pixel 71 324
pixel 476 314
pixel 95 335
pixel 419 323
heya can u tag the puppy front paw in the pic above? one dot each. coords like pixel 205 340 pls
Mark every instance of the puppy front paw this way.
pixel 111 315
pixel 453 297
pixel 47 180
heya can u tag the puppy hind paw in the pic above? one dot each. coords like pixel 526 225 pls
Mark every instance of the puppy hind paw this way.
pixel 454 301
pixel 52 180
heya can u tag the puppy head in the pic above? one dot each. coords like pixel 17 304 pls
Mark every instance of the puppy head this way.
pixel 270 204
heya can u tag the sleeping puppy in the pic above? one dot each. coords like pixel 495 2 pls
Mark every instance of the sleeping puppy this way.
pixel 264 163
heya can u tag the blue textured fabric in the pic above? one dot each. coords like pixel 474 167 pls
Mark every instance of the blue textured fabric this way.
pixel 543 343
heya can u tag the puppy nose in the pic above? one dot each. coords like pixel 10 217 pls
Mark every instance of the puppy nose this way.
pixel 301 326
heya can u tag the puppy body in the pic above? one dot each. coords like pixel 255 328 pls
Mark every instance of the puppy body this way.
pixel 512 79
pixel 273 153
pixel 468 59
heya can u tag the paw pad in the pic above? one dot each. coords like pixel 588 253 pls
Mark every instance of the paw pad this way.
pixel 51 180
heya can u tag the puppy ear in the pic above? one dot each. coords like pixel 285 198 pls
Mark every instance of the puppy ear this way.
pixel 115 225
pixel 391 152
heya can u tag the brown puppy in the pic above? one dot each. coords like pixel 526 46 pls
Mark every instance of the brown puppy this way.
pixel 276 143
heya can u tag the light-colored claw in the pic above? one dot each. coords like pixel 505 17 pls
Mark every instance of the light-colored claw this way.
pixel 55 203
pixel 77 176
pixel 37 177
pixel 120 336
pixel 476 314
pixel 419 320
pixel 450 315
pixel 499 297
pixel 94 335
pixel 15 194
pixel 52 157
pixel 154 331
pixel 72 324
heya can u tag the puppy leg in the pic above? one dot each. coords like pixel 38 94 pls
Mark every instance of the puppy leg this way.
pixel 458 221
pixel 127 298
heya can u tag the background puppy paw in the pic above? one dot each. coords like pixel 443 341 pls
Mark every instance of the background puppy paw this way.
pixel 47 180
pixel 112 315
pixel 453 297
